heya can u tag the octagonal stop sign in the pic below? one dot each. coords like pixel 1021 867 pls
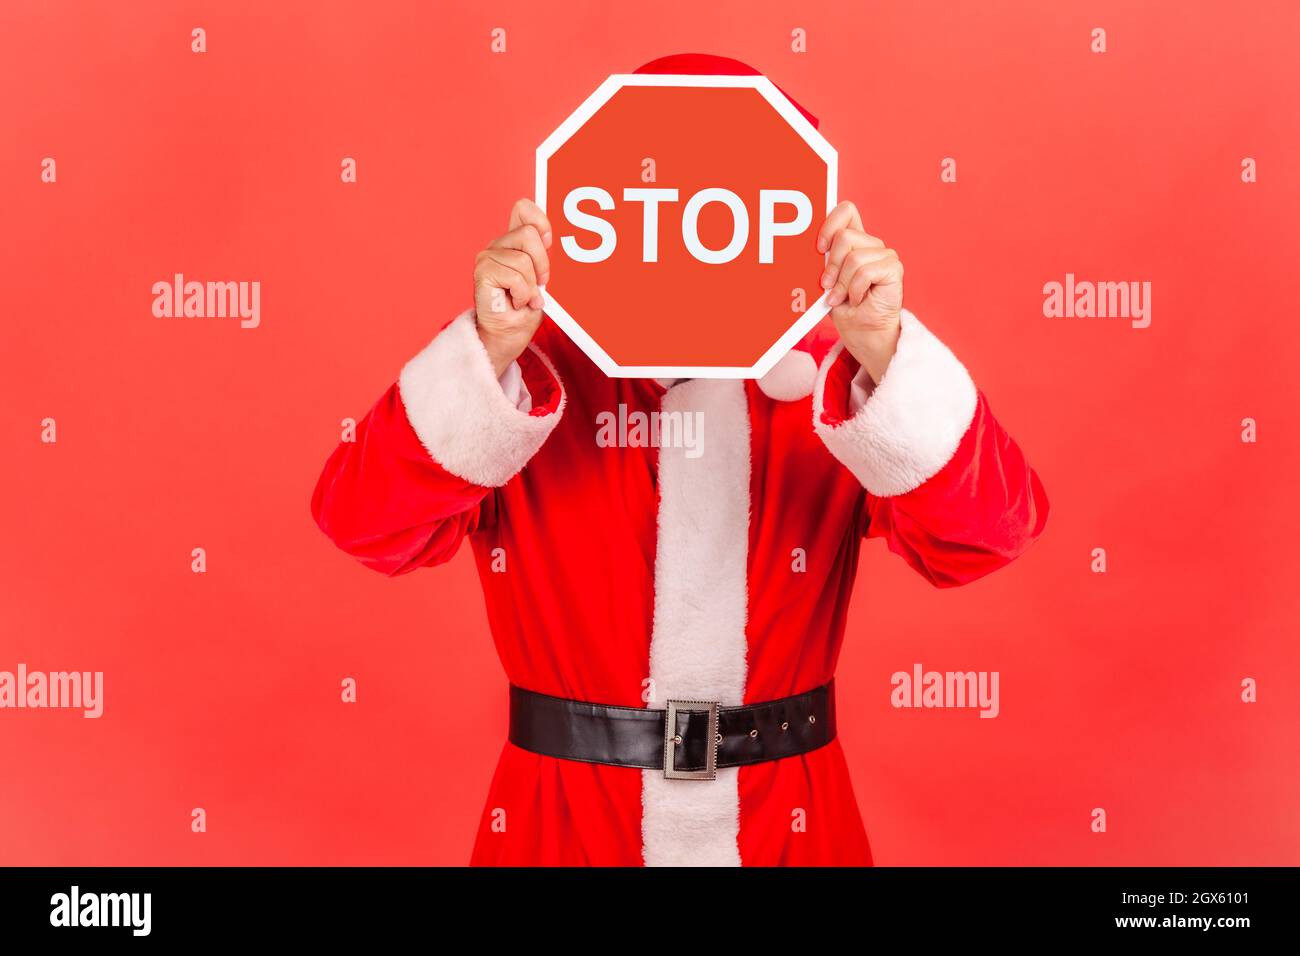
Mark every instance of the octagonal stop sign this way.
pixel 685 212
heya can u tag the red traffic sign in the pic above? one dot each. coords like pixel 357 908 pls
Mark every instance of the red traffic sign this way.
pixel 685 212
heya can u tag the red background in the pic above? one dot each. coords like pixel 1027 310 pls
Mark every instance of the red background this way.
pixel 1119 690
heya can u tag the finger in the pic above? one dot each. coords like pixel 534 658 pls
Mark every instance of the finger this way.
pixel 846 241
pixel 515 259
pixel 853 263
pixel 520 262
pixel 529 241
pixel 843 215
pixel 528 213
pixel 880 272
pixel 498 275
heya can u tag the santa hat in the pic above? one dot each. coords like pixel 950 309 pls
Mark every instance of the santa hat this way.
pixel 792 378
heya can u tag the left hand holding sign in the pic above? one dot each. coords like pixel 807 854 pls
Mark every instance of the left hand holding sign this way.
pixel 865 280
pixel 508 278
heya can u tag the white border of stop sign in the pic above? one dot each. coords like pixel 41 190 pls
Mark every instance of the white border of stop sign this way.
pixel 767 89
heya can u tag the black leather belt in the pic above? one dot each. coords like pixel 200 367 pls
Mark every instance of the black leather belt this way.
pixel 688 740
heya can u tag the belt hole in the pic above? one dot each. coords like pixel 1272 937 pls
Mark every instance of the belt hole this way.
pixel 717 738
pixel 785 725
pixel 754 732
pixel 812 718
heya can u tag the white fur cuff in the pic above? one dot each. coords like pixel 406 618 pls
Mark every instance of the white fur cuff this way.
pixel 911 425
pixel 461 413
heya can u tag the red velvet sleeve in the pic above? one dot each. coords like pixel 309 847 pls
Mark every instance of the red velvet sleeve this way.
pixel 421 473
pixel 386 502
pixel 947 487
pixel 978 513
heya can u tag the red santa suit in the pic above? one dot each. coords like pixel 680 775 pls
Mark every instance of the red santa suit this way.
pixel 675 572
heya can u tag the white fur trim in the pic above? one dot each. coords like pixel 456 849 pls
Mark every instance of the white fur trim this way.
pixel 790 379
pixel 461 413
pixel 698 648
pixel 911 425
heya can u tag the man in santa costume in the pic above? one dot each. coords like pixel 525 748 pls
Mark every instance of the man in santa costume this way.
pixel 669 620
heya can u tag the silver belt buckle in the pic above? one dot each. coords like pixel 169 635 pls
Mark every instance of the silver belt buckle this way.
pixel 671 740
